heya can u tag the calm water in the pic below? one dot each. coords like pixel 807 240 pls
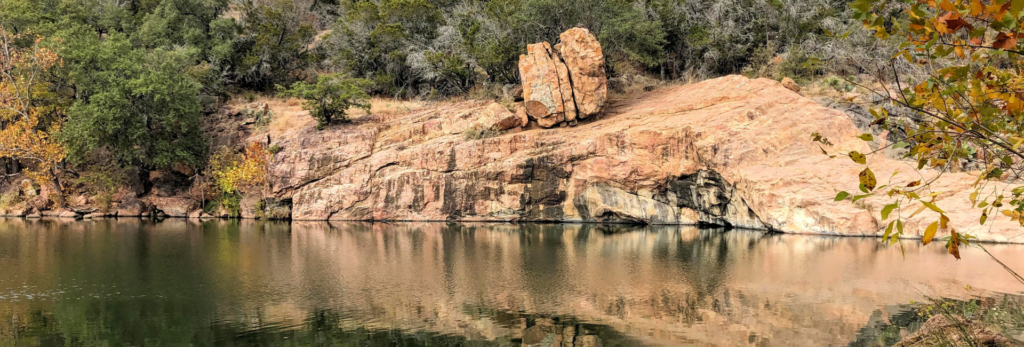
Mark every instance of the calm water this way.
pixel 175 283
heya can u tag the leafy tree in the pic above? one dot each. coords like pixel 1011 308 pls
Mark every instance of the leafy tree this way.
pixel 275 43
pixel 138 104
pixel 330 98
pixel 966 111
pixel 23 136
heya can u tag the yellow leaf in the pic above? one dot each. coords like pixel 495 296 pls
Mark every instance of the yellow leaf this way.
pixel 867 178
pixel 916 212
pixel 929 232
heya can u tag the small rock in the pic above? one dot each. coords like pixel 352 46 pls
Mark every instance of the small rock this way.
pixel 497 117
pixel 790 84
pixel 68 214
pixel 34 215
pixel 131 207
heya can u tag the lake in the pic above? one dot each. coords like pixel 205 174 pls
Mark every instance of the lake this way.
pixel 246 283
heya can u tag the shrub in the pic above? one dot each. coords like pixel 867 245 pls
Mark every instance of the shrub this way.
pixel 8 200
pixel 330 98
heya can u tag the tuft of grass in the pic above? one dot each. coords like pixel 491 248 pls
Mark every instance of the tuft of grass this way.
pixel 478 132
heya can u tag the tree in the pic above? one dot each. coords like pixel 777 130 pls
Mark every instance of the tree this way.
pixel 330 98
pixel 139 105
pixel 23 136
pixel 966 111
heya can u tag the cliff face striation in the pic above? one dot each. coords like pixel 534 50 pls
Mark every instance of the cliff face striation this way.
pixel 729 151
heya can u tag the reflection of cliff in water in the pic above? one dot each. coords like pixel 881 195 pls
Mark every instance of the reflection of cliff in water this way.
pixel 477 282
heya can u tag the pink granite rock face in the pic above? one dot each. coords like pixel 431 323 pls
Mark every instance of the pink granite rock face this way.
pixel 730 151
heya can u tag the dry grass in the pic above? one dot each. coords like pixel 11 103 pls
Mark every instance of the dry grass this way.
pixel 289 117
pixel 389 107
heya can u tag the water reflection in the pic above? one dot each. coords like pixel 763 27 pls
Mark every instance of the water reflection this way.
pixel 313 283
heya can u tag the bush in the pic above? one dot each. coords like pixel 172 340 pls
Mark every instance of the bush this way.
pixel 103 182
pixel 8 200
pixel 330 98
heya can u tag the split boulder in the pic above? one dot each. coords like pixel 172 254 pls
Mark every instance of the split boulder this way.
pixel 564 83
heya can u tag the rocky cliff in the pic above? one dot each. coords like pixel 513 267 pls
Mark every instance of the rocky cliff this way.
pixel 729 151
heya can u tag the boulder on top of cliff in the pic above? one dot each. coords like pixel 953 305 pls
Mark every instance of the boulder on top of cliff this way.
pixel 564 83
pixel 539 69
pixel 582 55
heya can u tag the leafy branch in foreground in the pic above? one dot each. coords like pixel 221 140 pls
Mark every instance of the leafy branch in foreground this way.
pixel 965 114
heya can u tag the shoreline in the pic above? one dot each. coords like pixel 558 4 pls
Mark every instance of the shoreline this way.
pixel 578 223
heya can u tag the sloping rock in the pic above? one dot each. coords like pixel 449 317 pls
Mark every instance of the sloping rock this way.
pixel 731 151
pixel 541 71
pixel 585 60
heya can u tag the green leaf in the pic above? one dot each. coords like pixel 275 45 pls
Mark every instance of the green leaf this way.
pixel 858 158
pixel 899 226
pixel 842 196
pixel 887 210
pixel 900 144
pixel 929 232
pixel 888 231
pixel 866 137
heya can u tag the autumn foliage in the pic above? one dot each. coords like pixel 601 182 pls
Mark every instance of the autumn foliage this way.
pixel 244 173
pixel 23 135
pixel 966 114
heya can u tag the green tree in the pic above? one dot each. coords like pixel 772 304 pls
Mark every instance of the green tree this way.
pixel 138 104
pixel 275 44
pixel 330 98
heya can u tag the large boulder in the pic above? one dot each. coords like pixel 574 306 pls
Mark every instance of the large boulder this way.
pixel 542 73
pixel 565 83
pixel 582 55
